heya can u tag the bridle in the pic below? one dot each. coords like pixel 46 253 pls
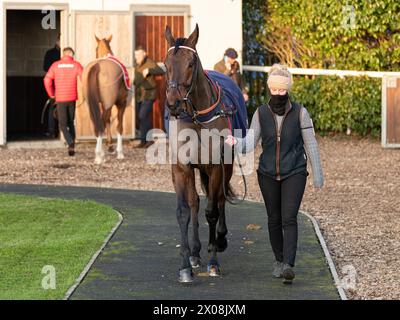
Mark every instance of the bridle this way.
pixel 186 99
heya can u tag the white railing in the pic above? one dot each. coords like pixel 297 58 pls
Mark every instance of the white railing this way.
pixel 327 72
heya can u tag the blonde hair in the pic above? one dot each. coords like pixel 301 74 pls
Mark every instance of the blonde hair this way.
pixel 280 77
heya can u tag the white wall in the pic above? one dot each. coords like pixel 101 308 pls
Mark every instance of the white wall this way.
pixel 220 23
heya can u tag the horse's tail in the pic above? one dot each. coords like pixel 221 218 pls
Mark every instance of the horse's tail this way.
pixel 93 98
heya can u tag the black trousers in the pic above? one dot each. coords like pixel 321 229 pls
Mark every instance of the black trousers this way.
pixel 145 122
pixel 66 117
pixel 282 200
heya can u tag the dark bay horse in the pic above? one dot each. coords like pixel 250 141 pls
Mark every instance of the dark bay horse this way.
pixel 190 95
pixel 103 87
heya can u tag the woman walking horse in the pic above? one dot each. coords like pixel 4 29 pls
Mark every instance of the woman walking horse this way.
pixel 196 102
pixel 105 84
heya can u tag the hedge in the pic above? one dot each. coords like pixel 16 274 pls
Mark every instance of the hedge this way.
pixel 338 104
pixel 335 104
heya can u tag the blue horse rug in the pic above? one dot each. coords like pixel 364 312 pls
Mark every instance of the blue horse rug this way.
pixel 231 103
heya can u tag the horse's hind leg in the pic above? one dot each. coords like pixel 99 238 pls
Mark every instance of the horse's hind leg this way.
pixel 183 217
pixel 107 121
pixel 99 153
pixel 99 150
pixel 212 219
pixel 121 110
pixel 212 215
pixel 215 213
pixel 222 230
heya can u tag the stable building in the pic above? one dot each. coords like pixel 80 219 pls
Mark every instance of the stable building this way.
pixel 29 29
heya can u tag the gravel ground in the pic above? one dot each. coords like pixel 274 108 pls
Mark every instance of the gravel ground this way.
pixel 358 208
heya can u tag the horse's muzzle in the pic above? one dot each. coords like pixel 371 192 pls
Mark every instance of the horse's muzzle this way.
pixel 175 109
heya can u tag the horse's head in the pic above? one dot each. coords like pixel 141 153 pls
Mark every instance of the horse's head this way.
pixel 103 47
pixel 182 65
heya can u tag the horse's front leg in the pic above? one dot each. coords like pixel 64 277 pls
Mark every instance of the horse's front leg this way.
pixel 193 199
pixel 183 216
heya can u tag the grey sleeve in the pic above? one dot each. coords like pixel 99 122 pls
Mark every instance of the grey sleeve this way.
pixel 248 143
pixel 311 147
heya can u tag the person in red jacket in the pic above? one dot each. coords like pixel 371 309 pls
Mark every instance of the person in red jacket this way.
pixel 61 84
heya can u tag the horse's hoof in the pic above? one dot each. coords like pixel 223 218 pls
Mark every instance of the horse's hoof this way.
pixel 99 161
pixel 120 156
pixel 195 262
pixel 186 275
pixel 213 270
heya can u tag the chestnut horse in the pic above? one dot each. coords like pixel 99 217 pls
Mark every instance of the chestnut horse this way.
pixel 104 87
pixel 191 94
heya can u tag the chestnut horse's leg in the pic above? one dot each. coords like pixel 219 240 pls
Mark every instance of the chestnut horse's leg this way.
pixel 179 179
pixel 121 110
pixel 99 153
pixel 107 121
pixel 99 149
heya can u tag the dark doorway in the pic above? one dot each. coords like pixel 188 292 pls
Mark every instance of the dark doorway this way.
pixel 27 43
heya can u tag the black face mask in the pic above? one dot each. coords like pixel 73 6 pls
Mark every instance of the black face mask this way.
pixel 278 103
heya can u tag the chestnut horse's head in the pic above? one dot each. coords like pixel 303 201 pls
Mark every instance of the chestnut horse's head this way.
pixel 182 64
pixel 103 47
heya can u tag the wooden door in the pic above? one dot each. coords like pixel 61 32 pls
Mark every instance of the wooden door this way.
pixel 86 26
pixel 149 33
pixel 391 92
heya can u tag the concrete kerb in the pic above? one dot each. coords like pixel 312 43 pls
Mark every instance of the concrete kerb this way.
pixel 85 271
pixel 328 256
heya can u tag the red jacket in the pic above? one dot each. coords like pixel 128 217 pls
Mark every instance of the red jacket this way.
pixel 62 78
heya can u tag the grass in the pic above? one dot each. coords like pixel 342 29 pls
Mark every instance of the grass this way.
pixel 37 232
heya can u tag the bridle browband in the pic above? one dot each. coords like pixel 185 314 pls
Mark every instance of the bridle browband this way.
pixel 186 98
pixel 183 47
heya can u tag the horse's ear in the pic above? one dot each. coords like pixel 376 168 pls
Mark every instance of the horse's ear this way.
pixel 193 38
pixel 169 37
pixel 109 38
pixel 97 39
